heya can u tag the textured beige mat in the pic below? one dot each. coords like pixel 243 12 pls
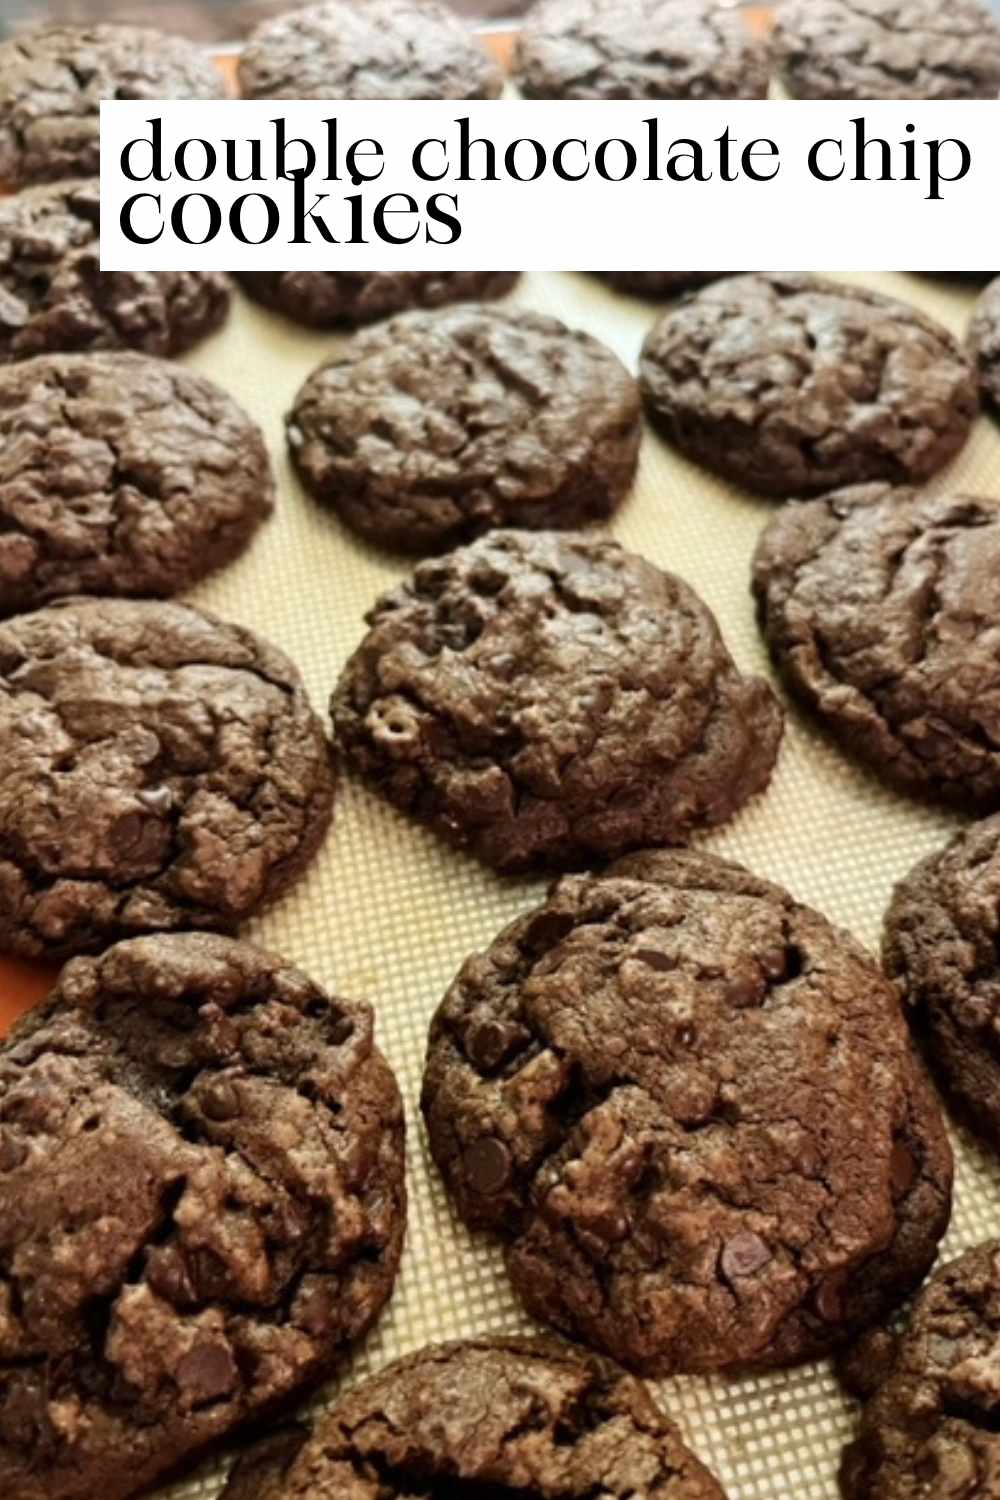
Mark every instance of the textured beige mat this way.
pixel 387 914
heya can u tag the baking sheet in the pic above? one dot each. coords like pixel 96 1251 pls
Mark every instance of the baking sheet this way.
pixel 388 914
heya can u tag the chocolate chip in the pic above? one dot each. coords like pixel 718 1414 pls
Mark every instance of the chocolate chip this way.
pixel 955 1471
pixel 487 1165
pixel 207 1371
pixel 902 1169
pixel 219 1100
pixel 655 958
pixel 830 1298
pixel 487 1042
pixel 159 799
pixel 341 1030
pixel 743 1255
pixel 12 1151
pixel 126 831
pixel 742 990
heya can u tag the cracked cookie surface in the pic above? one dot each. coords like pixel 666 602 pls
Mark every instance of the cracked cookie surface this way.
pixel 545 699
pixel 887 49
pixel 347 299
pixel 54 297
pixel 121 474
pixel 437 426
pixel 650 49
pixel 162 769
pixel 929 1428
pixel 690 1108
pixel 984 341
pixel 880 607
pixel 383 49
pixel 942 937
pixel 790 384
pixel 202 1204
pixel 489 1416
pixel 52 81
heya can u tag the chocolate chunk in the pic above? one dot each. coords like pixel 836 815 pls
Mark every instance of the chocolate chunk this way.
pixel 744 1255
pixel 487 1165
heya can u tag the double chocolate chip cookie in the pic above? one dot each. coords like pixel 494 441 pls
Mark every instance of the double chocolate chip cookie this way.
pixel 929 1426
pixel 487 1416
pixel 984 341
pixel 347 299
pixel 547 700
pixel 54 297
pixel 121 475
pixel 383 49
pixel 202 1204
pixel 161 768
pixel 942 938
pixel 880 606
pixel 888 49
pixel 790 384
pixel 437 426
pixel 645 49
pixel 690 1108
pixel 52 81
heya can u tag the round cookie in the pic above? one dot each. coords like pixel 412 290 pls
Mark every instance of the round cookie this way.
pixel 347 299
pixel 54 297
pixel 790 385
pixel 121 474
pixel 437 426
pixel 547 699
pixel 880 606
pixel 52 81
pixel 887 49
pixel 928 1428
pixel 493 1416
pixel 645 49
pixel 689 1107
pixel 984 341
pixel 162 769
pixel 942 936
pixel 202 1204
pixel 658 283
pixel 383 49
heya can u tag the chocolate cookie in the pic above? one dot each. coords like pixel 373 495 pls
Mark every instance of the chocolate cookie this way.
pixel 548 700
pixel 383 49
pixel 881 608
pixel 887 49
pixel 437 426
pixel 52 81
pixel 790 384
pixel 984 341
pixel 929 1427
pixel 159 769
pixel 646 49
pixel 202 1204
pixel 121 475
pixel 658 283
pixel 942 938
pixel 54 297
pixel 346 299
pixel 690 1107
pixel 486 1416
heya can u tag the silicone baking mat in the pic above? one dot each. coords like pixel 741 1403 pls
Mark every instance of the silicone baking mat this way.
pixel 388 914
